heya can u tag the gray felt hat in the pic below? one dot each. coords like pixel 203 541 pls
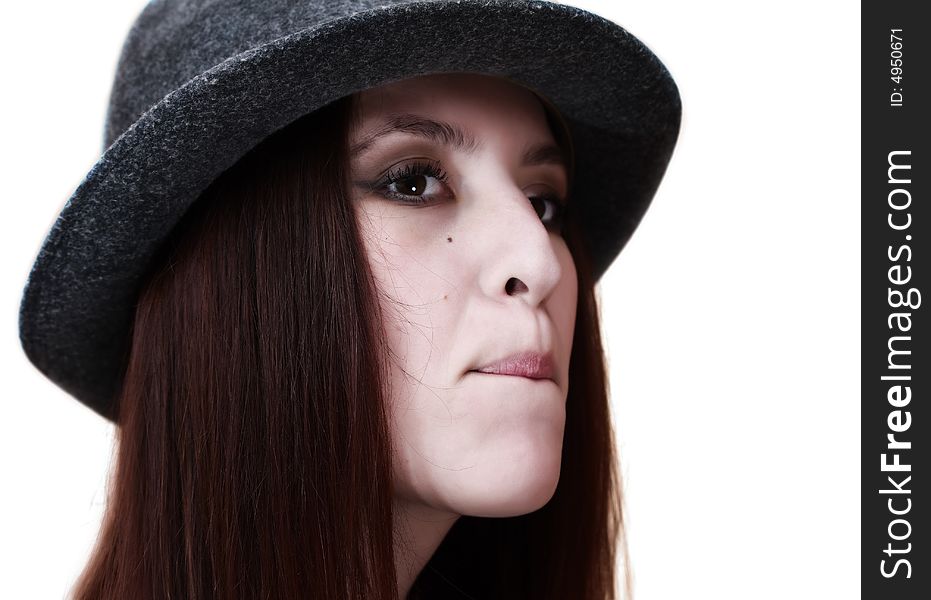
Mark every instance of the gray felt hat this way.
pixel 201 82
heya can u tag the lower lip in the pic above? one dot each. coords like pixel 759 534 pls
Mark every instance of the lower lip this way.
pixel 510 375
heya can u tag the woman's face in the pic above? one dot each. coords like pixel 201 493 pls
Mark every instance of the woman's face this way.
pixel 456 187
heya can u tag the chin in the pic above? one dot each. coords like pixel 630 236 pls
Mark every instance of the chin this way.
pixel 510 493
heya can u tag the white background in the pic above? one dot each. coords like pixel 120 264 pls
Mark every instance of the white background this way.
pixel 731 318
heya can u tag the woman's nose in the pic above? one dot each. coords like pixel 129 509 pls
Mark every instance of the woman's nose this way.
pixel 517 257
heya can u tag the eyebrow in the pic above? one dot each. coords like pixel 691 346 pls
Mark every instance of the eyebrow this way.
pixel 447 134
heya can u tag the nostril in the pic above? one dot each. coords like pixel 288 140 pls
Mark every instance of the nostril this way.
pixel 514 285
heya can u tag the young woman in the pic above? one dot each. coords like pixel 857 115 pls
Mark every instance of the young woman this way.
pixel 363 360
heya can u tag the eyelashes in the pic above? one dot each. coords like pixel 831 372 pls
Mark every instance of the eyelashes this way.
pixel 420 183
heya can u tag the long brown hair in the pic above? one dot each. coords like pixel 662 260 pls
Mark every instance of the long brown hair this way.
pixel 254 455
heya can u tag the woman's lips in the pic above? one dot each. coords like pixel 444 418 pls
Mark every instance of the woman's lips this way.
pixel 533 365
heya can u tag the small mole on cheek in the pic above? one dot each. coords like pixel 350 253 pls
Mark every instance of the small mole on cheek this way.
pixel 449 239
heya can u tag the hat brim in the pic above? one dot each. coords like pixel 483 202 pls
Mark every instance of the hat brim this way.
pixel 620 103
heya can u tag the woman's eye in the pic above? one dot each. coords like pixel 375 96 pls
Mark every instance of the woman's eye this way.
pixel 416 183
pixel 550 210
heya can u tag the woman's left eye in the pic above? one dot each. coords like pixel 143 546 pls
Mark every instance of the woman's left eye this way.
pixel 550 210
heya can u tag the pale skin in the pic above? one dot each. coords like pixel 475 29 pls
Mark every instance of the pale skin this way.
pixel 476 273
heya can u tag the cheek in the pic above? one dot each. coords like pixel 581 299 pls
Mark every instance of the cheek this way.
pixel 407 252
pixel 564 303
pixel 570 281
pixel 420 310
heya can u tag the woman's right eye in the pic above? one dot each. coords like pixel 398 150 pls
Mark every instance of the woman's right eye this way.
pixel 417 183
